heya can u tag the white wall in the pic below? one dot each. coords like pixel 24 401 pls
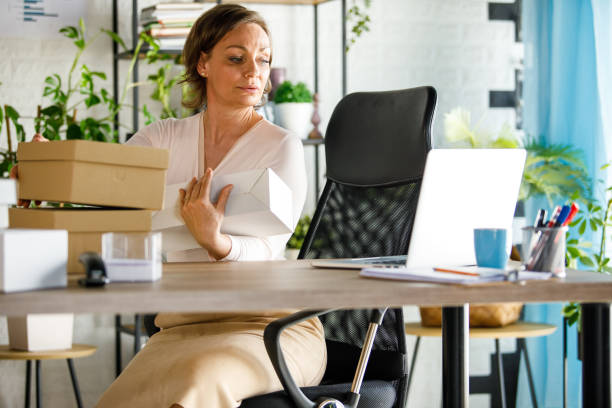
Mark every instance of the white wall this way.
pixel 448 44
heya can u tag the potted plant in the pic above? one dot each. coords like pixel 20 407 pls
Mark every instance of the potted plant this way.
pixel 297 239
pixel 294 107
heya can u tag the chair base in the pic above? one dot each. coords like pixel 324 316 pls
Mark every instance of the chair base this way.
pixel 374 394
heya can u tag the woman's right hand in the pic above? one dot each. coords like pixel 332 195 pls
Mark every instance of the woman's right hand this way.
pixel 14 174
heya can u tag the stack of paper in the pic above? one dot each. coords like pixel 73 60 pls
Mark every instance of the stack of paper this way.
pixel 456 275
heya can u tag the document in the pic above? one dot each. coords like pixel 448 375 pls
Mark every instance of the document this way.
pixel 464 275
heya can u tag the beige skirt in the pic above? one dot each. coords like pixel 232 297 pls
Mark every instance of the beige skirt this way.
pixel 214 361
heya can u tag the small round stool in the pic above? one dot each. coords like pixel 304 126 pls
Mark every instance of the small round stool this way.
pixel 77 351
pixel 519 330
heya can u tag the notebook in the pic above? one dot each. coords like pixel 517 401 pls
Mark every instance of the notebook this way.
pixel 462 189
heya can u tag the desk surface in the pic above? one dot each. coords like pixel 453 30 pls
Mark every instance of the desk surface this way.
pixel 241 286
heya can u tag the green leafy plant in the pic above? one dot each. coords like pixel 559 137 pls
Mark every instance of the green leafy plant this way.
pixel 357 16
pixel 66 98
pixel 288 92
pixel 552 171
pixel 596 218
pixel 8 157
pixel 297 239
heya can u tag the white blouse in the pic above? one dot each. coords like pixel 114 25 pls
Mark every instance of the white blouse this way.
pixel 264 145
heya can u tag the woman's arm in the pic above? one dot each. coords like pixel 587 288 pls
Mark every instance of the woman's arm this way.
pixel 288 164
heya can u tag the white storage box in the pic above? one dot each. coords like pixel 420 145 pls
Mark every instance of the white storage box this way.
pixel 8 197
pixel 132 257
pixel 38 332
pixel 260 205
pixel 32 259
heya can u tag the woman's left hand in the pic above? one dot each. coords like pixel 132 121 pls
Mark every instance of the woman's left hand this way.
pixel 203 217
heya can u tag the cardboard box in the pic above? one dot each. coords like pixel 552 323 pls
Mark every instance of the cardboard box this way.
pixel 93 173
pixel 39 332
pixel 85 226
pixel 32 259
pixel 260 204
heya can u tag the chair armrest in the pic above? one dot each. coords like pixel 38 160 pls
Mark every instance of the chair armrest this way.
pixel 272 335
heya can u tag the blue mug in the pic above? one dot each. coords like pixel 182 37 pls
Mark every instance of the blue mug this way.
pixel 491 247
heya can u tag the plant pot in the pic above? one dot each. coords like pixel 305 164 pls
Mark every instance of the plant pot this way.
pixel 39 332
pixel 291 254
pixel 295 117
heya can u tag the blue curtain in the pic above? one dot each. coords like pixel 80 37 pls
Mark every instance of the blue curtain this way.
pixel 566 101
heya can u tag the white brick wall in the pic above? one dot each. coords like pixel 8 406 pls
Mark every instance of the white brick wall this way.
pixel 448 44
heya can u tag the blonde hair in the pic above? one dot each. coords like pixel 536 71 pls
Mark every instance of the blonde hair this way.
pixel 206 32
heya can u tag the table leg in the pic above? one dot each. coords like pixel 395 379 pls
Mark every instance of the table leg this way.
pixel 28 379
pixel 455 356
pixel 38 385
pixel 596 355
pixel 75 383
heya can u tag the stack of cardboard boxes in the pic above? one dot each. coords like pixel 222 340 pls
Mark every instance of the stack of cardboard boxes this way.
pixel 120 185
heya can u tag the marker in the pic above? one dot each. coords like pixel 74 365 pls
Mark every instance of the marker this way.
pixel 539 222
pixel 565 210
pixel 553 218
pixel 572 213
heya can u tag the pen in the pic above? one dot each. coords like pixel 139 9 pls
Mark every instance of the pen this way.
pixel 539 222
pixel 437 269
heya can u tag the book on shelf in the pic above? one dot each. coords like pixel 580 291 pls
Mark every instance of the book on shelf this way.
pixel 164 15
pixel 168 43
pixel 161 32
pixel 168 24
pixel 174 6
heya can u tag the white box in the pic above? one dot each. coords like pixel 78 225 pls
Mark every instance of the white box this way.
pixel 260 204
pixel 8 197
pixel 4 216
pixel 32 259
pixel 38 332
pixel 8 192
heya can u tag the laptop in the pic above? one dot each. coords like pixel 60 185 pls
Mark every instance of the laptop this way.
pixel 462 189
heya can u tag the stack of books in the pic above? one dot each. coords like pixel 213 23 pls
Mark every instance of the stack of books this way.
pixel 169 23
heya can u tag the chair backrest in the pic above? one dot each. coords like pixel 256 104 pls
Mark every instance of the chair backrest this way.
pixel 376 145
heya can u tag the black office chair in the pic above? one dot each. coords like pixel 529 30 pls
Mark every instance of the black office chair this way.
pixel 376 144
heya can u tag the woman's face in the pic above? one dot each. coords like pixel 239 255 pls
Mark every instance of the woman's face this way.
pixel 237 68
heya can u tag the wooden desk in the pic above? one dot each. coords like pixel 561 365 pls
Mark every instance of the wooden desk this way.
pixel 242 286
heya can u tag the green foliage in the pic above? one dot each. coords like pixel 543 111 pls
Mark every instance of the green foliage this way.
pixel 554 171
pixel 65 98
pixel 164 81
pixel 595 218
pixel 8 157
pixel 297 239
pixel 357 16
pixel 288 92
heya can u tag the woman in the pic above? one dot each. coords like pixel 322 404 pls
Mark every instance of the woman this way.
pixel 216 360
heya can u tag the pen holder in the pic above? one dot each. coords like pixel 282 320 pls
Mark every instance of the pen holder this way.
pixel 544 249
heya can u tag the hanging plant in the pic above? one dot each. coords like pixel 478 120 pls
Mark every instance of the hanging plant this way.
pixel 357 16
